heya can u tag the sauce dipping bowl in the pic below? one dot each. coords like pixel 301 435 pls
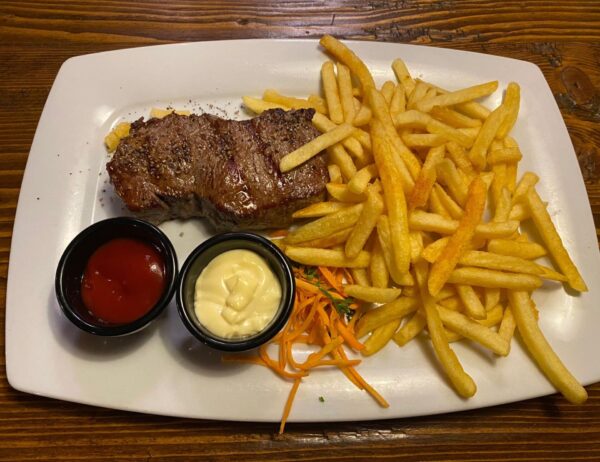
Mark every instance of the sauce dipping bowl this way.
pixel 72 265
pixel 198 261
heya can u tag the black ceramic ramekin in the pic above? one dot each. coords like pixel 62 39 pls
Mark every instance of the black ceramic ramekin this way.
pixel 201 257
pixel 73 261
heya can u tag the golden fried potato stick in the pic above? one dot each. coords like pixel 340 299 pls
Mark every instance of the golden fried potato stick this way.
pixel 373 207
pixel 462 382
pixel 344 81
pixel 526 250
pixel 541 351
pixel 403 76
pixel 314 147
pixel 332 94
pixel 427 176
pixel 372 294
pixel 445 264
pixel 383 314
pixel 380 275
pixel 326 225
pixel 395 200
pixel 382 113
pixel 345 55
pixel 380 337
pixel 473 306
pixel 482 277
pixel 472 330
pixel 326 257
pixel 340 157
pixel 459 96
pixel 512 101
pixel 553 242
pixel 413 327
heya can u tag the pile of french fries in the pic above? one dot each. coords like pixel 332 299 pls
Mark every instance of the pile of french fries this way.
pixel 413 168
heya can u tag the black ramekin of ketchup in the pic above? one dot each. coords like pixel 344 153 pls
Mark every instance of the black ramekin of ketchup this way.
pixel 116 276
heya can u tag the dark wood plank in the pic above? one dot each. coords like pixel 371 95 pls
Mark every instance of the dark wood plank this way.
pixel 563 38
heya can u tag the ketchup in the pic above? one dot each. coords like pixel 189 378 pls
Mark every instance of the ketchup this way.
pixel 123 280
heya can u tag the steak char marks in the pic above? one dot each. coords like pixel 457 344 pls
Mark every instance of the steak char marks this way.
pixel 224 170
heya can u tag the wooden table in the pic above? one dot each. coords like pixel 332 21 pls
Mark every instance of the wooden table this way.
pixel 562 37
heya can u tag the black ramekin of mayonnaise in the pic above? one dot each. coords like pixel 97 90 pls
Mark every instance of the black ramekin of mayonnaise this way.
pixel 236 291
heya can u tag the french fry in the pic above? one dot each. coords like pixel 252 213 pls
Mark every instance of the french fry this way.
pixel 319 209
pixel 460 158
pixel 423 221
pixel 413 327
pixel 398 103
pixel 527 181
pixel 387 91
pixel 504 155
pixel 499 262
pixel 417 94
pixel 491 298
pixel 258 106
pixel 324 125
pixel 332 95
pixel 326 257
pixel 461 381
pixel 541 351
pixel 519 212
pixel 507 326
pixel 493 279
pixel 435 204
pixel 472 330
pixel 314 147
pixel 360 276
pixel 454 210
pixel 326 225
pixel 337 238
pixel 343 54
pixel 426 178
pixel 449 176
pixel 416 246
pixel 502 207
pixel 385 239
pixel 396 309
pixel 372 294
pixel 526 250
pixel 318 103
pixel 488 131
pixel 433 251
pixel 423 140
pixel 473 305
pixel 443 266
pixel 378 270
pixel 359 182
pixel 394 199
pixel 403 76
pixel 273 96
pixel 512 100
pixel 381 112
pixel 341 193
pixel 551 238
pixel 367 221
pixel 344 82
pixel 340 157
pixel 453 118
pixel 459 96
pixel 380 337
pixel 494 317
pixel 363 115
pixel 335 174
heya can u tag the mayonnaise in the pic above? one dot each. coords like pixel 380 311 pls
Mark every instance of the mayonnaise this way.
pixel 237 294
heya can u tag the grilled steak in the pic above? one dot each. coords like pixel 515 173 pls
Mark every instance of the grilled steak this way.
pixel 224 170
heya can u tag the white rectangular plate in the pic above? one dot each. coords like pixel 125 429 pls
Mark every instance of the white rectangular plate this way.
pixel 163 370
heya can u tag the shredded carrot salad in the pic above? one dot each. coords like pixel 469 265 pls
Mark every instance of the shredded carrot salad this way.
pixel 323 317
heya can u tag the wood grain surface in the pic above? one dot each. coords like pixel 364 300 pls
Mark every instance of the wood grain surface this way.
pixel 562 37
